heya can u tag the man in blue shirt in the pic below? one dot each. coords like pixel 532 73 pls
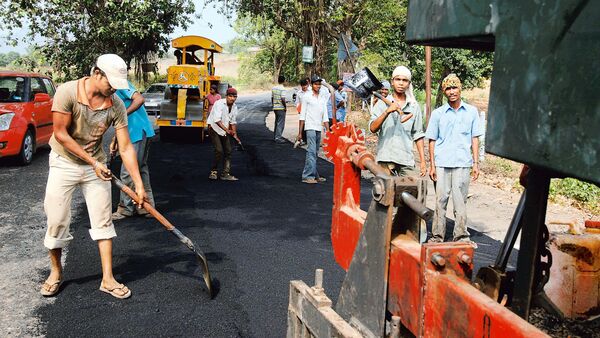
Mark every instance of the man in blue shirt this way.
pixel 140 132
pixel 453 134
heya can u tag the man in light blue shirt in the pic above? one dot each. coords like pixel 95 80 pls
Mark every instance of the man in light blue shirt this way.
pixel 453 134
pixel 398 127
pixel 140 132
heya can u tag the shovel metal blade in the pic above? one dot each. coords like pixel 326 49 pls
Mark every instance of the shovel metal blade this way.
pixel 201 258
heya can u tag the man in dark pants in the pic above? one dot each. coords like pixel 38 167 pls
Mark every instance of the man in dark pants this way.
pixel 279 108
pixel 222 121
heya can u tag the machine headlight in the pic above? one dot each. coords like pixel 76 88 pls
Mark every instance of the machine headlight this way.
pixel 5 120
pixel 151 104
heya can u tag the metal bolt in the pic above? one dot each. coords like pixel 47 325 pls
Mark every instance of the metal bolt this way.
pixel 318 279
pixel 378 190
pixel 464 258
pixel 438 260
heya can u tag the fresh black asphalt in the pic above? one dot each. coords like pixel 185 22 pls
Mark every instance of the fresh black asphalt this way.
pixel 258 234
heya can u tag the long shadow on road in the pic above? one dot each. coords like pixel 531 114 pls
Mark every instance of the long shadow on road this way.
pixel 258 234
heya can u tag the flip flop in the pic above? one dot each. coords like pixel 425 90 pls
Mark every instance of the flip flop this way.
pixel 114 294
pixel 47 288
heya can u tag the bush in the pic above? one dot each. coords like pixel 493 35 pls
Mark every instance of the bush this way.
pixel 587 193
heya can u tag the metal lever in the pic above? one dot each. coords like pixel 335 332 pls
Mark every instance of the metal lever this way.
pixel 416 206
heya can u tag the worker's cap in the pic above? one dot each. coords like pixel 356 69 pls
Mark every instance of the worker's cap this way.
pixel 115 69
pixel 316 78
pixel 231 91
pixel 451 80
pixel 403 72
pixel 214 86
pixel 340 82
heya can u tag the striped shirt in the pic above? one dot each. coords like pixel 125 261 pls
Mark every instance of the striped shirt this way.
pixel 278 93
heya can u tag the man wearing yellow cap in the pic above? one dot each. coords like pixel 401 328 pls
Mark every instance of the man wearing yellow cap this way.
pixel 453 134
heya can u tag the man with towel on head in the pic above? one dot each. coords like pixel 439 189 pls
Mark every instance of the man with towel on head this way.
pixel 453 134
pixel 398 126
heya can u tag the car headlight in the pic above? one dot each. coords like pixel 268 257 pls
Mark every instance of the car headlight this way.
pixel 5 120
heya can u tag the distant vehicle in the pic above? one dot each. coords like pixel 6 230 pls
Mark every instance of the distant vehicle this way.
pixel 154 96
pixel 185 105
pixel 25 113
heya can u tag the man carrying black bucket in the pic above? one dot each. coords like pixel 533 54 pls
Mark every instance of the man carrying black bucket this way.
pixel 397 133
pixel 222 121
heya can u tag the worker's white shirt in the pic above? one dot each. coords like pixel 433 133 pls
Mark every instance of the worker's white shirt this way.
pixel 314 110
pixel 220 112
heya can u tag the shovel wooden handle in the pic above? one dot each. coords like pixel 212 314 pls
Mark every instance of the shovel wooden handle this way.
pixel 127 190
pixel 405 117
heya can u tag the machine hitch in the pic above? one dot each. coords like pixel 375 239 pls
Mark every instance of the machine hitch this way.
pixel 393 283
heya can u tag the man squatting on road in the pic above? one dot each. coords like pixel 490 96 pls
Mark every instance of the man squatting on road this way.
pixel 140 132
pixel 398 126
pixel 279 109
pixel 222 123
pixel 313 115
pixel 453 132
pixel 82 112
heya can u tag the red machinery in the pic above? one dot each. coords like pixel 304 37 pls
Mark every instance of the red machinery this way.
pixel 392 279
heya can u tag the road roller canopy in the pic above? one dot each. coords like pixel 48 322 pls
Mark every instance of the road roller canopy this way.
pixel 192 43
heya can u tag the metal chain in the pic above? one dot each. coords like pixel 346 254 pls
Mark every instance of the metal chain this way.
pixel 542 269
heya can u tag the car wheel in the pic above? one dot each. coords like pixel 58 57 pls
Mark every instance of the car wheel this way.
pixel 26 154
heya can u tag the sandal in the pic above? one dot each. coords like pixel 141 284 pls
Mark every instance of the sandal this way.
pixel 50 290
pixel 120 294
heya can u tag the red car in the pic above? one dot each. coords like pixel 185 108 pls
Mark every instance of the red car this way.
pixel 25 113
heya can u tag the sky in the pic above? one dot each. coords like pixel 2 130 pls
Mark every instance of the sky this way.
pixel 221 30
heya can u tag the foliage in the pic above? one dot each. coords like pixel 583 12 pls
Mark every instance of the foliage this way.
pixel 376 26
pixel 74 33
pixel 8 58
pixel 586 193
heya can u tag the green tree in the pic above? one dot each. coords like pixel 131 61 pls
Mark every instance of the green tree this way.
pixel 74 33
pixel 378 28
pixel 8 58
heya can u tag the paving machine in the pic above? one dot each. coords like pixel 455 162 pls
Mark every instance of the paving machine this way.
pixel 189 82
pixel 544 112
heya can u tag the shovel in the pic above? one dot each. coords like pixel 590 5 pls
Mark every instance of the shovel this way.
pixel 173 230
pixel 365 84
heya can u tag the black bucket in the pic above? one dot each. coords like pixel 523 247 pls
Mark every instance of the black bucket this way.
pixel 364 83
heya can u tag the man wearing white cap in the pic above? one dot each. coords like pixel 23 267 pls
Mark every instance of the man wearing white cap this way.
pixel 82 112
pixel 453 134
pixel 397 129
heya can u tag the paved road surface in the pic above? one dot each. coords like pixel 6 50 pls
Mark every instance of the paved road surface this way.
pixel 258 234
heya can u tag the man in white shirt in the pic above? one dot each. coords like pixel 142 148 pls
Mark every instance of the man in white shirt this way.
pixel 222 121
pixel 304 89
pixel 313 115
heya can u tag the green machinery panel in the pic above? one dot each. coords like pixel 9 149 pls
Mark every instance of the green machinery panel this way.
pixel 544 107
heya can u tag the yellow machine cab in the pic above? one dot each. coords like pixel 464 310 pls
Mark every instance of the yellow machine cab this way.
pixel 189 81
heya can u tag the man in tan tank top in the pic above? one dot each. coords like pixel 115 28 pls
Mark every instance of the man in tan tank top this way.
pixel 82 112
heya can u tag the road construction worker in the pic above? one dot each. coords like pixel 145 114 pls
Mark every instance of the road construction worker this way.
pixel 453 134
pixel 397 129
pixel 141 133
pixel 223 123
pixel 313 116
pixel 82 112
pixel 279 109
